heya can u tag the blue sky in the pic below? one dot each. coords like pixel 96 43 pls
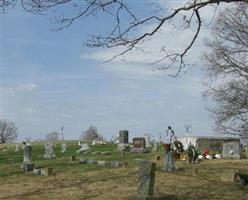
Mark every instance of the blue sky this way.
pixel 50 79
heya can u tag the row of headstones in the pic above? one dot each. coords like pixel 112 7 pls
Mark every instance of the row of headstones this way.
pixel 49 147
pixel 28 165
pixel 146 174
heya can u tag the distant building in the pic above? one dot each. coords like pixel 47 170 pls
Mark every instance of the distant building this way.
pixel 207 142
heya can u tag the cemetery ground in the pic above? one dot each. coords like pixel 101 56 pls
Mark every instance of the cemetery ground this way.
pixel 73 180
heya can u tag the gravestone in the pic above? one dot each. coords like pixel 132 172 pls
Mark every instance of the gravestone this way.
pixel 169 164
pixel 49 151
pixel 47 171
pixel 155 146
pixel 17 148
pixel 229 175
pixel 146 180
pixel 37 171
pixel 27 164
pixel 123 136
pixel 235 176
pixel 139 144
pixel 231 150
pixel 147 139
pixel 84 148
pixel 63 148
pixel 123 147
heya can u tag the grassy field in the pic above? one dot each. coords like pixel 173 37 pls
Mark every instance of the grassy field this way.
pixel 83 181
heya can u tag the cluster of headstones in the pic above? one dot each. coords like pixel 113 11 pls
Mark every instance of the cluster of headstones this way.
pixel 28 165
pixel 140 144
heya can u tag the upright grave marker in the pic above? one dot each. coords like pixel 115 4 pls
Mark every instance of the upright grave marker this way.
pixel 63 148
pixel 123 140
pixel 231 150
pixel 146 180
pixel 27 164
pixel 123 136
pixel 49 151
pixel 139 144
pixel 169 164
pixel 17 148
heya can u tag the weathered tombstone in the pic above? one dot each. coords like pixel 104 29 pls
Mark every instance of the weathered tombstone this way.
pixel 102 162
pixel 139 144
pixel 115 164
pixel 123 136
pixel 84 148
pixel 230 176
pixel 47 172
pixel 147 139
pixel 231 150
pixel 123 147
pixel 63 148
pixel 155 146
pixel 17 148
pixel 27 164
pixel 169 165
pixel 49 151
pixel 235 176
pixel 37 171
pixel 146 179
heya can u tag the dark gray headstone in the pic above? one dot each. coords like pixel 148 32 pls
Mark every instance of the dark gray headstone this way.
pixel 123 136
pixel 146 178
pixel 27 164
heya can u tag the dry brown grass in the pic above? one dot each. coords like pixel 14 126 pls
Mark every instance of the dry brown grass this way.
pixel 109 183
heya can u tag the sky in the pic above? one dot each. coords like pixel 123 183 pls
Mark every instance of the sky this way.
pixel 51 79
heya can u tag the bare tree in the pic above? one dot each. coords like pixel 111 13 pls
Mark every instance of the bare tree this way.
pixel 227 60
pixel 8 131
pixel 91 134
pixel 52 137
pixel 126 22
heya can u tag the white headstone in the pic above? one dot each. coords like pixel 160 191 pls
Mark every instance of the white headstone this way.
pixel 17 148
pixel 63 148
pixel 84 147
pixel 49 151
pixel 147 138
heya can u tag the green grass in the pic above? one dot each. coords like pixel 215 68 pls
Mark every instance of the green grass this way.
pixel 84 181
pixel 10 160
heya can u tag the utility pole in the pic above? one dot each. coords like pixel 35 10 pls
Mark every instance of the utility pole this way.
pixel 62 132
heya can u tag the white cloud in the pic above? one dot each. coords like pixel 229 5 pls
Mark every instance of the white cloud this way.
pixel 27 87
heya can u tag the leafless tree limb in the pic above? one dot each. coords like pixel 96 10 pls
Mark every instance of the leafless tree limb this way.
pixel 125 34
